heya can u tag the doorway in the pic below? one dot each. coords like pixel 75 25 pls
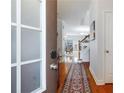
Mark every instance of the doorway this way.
pixel 108 46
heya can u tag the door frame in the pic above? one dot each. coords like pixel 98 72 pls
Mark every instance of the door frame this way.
pixel 104 62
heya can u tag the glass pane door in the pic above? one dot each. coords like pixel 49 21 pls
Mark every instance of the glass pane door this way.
pixel 27 37
pixel 30 75
pixel 30 44
pixel 30 12
pixel 13 11
pixel 13 80
pixel 13 48
pixel 13 45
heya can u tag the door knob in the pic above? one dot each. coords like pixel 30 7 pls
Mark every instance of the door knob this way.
pixel 53 66
pixel 107 51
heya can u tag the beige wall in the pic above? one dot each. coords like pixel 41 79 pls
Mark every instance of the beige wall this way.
pixel 51 38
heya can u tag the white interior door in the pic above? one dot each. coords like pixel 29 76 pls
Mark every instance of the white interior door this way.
pixel 108 35
pixel 28 46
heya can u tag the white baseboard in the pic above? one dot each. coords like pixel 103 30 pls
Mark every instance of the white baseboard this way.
pixel 98 82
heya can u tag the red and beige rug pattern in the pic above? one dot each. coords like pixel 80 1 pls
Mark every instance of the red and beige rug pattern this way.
pixel 76 81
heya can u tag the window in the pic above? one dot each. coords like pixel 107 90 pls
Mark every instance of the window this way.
pixel 28 44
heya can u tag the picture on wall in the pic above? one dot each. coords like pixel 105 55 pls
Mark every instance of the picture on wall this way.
pixel 92 29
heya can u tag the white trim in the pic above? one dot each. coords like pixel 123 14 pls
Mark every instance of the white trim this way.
pixel 43 89
pixel 13 64
pixel 36 90
pixel 41 57
pixel 98 82
pixel 39 90
pixel 43 27
pixel 30 61
pixel 14 24
pixel 30 27
pixel 18 54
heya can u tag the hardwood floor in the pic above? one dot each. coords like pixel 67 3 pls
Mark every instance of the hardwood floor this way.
pixel 63 70
pixel 108 88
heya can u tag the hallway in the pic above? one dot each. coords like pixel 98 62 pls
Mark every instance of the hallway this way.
pixel 81 81
pixel 84 33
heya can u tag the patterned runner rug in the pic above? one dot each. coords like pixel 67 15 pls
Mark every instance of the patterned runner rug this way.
pixel 76 81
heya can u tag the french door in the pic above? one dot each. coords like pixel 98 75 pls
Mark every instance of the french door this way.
pixel 28 53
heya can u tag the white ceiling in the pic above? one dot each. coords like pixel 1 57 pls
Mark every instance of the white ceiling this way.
pixel 73 12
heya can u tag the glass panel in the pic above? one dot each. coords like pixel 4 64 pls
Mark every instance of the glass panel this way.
pixel 30 77
pixel 13 80
pixel 30 12
pixel 13 44
pixel 30 47
pixel 13 10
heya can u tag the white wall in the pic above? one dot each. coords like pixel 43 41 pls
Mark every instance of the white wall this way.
pixel 97 47
pixel 75 48
pixel 63 38
pixel 86 20
pixel 59 37
pixel 85 53
pixel 93 44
